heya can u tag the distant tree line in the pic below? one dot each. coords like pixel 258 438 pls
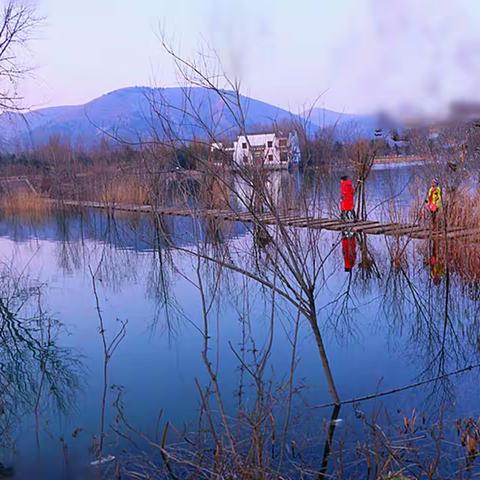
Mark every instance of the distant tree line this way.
pixel 321 149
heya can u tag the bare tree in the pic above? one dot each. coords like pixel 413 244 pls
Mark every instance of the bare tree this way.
pixel 293 263
pixel 18 22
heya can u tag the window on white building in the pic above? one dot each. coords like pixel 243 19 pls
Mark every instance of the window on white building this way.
pixel 269 144
pixel 244 145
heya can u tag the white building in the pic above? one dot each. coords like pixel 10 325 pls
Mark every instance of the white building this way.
pixel 267 149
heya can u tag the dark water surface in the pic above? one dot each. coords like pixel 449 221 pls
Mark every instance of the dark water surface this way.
pixel 383 331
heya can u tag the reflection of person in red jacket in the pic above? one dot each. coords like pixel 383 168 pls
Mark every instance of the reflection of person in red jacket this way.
pixel 349 251
pixel 347 202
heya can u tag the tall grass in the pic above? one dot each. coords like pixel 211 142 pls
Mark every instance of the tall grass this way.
pixel 463 210
pixel 25 205
pixel 124 191
pixel 462 213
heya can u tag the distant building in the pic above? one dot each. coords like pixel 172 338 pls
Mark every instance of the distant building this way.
pixel 259 149
pixel 268 149
pixel 271 150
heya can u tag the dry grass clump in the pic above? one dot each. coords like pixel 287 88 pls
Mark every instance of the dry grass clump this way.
pixel 464 259
pixel 124 191
pixel 462 212
pixel 462 209
pixel 25 205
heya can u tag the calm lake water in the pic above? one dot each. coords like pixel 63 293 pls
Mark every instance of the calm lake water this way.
pixel 383 331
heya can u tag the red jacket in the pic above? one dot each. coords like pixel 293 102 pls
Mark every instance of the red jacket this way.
pixel 347 193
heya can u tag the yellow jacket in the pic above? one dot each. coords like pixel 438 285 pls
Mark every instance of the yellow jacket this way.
pixel 435 196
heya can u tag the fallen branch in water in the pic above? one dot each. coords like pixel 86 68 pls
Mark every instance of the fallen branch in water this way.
pixel 400 389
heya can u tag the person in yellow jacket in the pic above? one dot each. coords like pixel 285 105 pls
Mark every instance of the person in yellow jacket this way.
pixel 434 198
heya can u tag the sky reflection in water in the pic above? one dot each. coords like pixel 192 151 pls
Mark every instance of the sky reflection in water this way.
pixel 374 341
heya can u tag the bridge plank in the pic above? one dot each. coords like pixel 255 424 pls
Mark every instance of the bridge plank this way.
pixel 300 222
pixel 438 233
pixel 464 233
pixel 349 225
pixel 360 228
pixel 327 222
pixel 376 229
pixel 283 218
pixel 292 218
pixel 318 222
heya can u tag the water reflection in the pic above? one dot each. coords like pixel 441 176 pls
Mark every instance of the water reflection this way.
pixel 436 263
pixel 401 315
pixel 37 373
pixel 349 250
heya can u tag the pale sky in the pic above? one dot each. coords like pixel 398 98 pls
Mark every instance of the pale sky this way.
pixel 361 54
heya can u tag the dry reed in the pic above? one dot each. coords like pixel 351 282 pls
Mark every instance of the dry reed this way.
pixel 125 191
pixel 25 205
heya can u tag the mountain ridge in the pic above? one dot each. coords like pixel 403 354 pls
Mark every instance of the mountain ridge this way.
pixel 137 113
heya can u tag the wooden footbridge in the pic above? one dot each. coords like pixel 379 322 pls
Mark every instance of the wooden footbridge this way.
pixel 291 219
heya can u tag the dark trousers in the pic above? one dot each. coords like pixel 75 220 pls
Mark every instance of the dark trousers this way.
pixel 348 215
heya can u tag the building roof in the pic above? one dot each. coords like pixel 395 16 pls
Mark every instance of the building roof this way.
pixel 257 140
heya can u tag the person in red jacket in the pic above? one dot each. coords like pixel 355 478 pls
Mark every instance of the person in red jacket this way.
pixel 347 201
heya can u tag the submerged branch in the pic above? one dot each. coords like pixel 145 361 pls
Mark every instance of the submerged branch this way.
pixel 400 389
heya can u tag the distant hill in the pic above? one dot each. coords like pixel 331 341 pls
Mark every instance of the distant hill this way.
pixel 127 113
pixel 140 113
